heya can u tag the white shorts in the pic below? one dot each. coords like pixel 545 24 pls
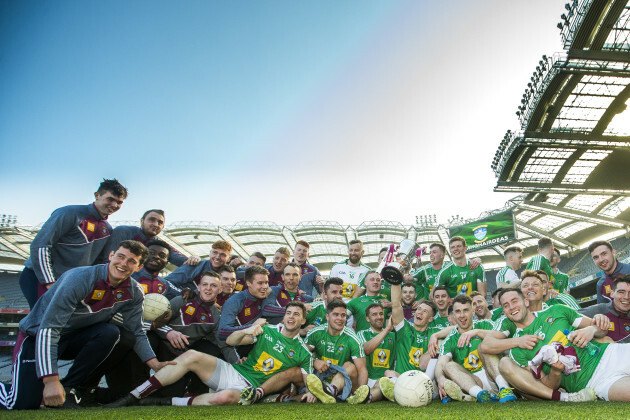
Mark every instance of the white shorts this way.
pixel 614 365
pixel 371 383
pixel 226 377
pixel 488 385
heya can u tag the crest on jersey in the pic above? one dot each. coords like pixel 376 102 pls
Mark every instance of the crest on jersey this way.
pixel 104 230
pixel 550 320
pixel 480 232
pixel 160 288
pixel 203 317
pixel 119 295
pixel 340 348
pixel 291 353
pixel 626 327
pixel 389 340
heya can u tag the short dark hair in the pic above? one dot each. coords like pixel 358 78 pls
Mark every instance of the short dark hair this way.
pixel 113 186
pixel 332 280
pixel 544 242
pixel 430 304
pixel 439 245
pixel 250 272
pixel 355 241
pixel 136 248
pixel 225 267
pixel 159 242
pixel 385 248
pixel 372 305
pixel 158 211
pixel 595 244
pixel 259 255
pixel 298 304
pixel 436 288
pixel 407 284
pixel 511 249
pixel 624 278
pixel 294 265
pixel 510 289
pixel 463 299
pixel 334 304
pixel 496 292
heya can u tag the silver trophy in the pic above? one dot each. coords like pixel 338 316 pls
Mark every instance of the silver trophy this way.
pixel 397 259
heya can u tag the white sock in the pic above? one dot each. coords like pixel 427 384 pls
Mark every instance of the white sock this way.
pixel 431 368
pixel 475 390
pixel 180 401
pixel 501 382
pixel 564 396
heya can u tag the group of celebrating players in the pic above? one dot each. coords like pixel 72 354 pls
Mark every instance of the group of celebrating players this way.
pixel 243 332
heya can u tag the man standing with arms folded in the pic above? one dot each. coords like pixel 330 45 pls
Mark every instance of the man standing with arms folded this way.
pixel 73 236
pixel 351 271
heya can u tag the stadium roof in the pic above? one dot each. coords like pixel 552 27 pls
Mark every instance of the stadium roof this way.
pixel 568 160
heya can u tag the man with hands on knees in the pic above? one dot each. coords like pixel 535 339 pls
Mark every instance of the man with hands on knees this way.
pixel 276 349
pixel 71 321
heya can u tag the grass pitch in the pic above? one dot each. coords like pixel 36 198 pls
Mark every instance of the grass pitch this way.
pixel 523 410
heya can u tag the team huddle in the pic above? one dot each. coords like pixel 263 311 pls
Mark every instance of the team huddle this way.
pixel 242 332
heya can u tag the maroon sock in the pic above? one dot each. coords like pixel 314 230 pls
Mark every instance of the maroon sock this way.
pixel 147 388
pixel 555 395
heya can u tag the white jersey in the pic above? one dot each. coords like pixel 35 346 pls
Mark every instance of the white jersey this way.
pixel 507 275
pixel 350 275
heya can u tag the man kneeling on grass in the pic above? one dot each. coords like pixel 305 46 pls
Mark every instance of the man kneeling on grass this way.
pixel 277 348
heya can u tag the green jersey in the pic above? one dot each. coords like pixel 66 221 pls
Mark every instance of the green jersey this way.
pixel 560 281
pixel 496 314
pixel 460 280
pixel 317 315
pixel 351 276
pixel 274 353
pixel 540 262
pixel 338 349
pixel 425 279
pixel 357 307
pixel 411 344
pixel 549 324
pixel 382 358
pixel 467 356
pixel 439 322
pixel 566 300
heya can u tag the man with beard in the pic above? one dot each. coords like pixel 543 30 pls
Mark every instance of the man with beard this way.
pixel 351 271
pixel 605 258
pixel 288 291
pixel 187 276
pixel 603 373
pixel 149 276
pixel 379 344
pixel 151 225
pixel 460 366
pixel 276 349
pixel 409 300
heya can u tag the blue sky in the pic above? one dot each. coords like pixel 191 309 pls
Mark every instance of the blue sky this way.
pixel 285 111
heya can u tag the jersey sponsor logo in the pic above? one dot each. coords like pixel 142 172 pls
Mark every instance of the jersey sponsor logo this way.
pixel 473 361
pixel 145 288
pixel 239 287
pixel 267 364
pixel 464 289
pixel 348 290
pixel 248 311
pixel 612 326
pixel 98 294
pixel 414 356
pixel 283 295
pixel 332 361
pixel 561 338
pixel 190 310
pixel 90 226
pixel 607 289
pixel 380 358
